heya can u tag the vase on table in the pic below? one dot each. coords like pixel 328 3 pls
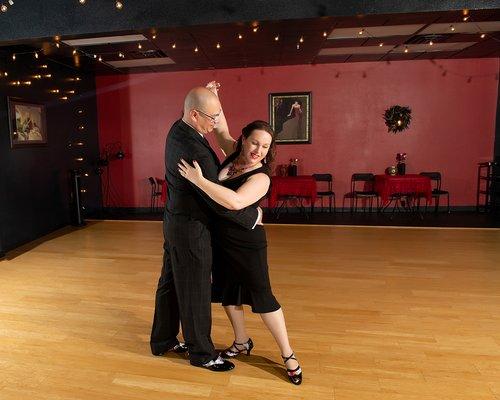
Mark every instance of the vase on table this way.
pixel 292 167
pixel 401 167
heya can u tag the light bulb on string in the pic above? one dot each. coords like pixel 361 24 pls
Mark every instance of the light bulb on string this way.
pixel 361 31
pixel 119 5
pixel 153 36
pixel 217 45
pixel 3 8
pixel 58 45
pixel 431 43
pixel 255 29
pixel 380 44
pixel 36 55
pixel 406 49
pixel 100 58
pixel 325 34
pixel 13 57
pixel 174 45
pixel 196 49
pixel 240 36
pixel 483 35
pixel 74 51
pixel 139 46
pixel 82 1
pixel 301 40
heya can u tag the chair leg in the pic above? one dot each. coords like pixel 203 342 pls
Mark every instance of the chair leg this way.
pixel 436 208
pixel 330 204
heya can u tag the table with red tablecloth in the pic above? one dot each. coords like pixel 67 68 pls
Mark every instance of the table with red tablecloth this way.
pixel 409 185
pixel 302 187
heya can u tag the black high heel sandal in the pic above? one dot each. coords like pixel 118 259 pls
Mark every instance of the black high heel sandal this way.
pixel 295 375
pixel 229 353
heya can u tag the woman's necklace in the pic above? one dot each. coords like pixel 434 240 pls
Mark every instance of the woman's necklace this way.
pixel 234 169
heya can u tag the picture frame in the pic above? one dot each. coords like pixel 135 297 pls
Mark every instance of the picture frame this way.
pixel 27 123
pixel 290 117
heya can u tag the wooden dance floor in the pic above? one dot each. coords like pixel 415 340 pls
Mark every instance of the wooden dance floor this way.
pixel 373 313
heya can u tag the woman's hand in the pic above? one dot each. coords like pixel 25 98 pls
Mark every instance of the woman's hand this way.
pixel 192 174
pixel 213 86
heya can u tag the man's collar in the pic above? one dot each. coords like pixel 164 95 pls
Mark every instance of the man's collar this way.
pixel 192 127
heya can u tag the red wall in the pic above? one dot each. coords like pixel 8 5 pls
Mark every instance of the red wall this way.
pixel 452 128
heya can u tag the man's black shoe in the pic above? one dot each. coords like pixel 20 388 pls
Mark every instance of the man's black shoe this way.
pixel 218 365
pixel 178 348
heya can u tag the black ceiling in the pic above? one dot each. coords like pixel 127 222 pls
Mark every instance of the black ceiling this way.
pixel 259 48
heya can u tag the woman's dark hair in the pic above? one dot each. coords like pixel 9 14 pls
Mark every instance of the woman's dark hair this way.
pixel 247 131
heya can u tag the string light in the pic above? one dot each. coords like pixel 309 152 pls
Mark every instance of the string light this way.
pixel 380 44
pixel 174 45
pixel 240 36
pixel 325 34
pixel 301 40
pixel 452 28
pixel 3 8
pixel 153 37
pixel 100 58
pixel 466 18
pixel 431 43
pixel 44 66
pixel 13 57
pixel 361 31
pixel 119 5
pixel 82 1
pixel 483 35
pixel 276 38
pixel 36 54
pixel 121 55
pixel 196 49
pixel 255 29
pixel 74 51
pixel 298 46
pixel 139 46
pixel 58 45
pixel 54 91
pixel 217 45
pixel 406 49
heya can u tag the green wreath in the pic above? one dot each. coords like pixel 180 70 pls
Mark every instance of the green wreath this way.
pixel 397 118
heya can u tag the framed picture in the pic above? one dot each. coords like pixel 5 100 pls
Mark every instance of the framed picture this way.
pixel 27 123
pixel 290 117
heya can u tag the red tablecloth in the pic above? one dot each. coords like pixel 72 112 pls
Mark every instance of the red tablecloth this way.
pixel 386 185
pixel 302 186
pixel 163 184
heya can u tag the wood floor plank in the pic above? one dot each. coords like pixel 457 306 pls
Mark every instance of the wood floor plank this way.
pixel 372 312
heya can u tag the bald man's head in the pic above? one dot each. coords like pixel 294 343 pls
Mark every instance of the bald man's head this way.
pixel 201 108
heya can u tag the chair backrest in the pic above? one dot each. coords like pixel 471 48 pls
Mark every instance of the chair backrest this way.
pixel 364 177
pixel 435 177
pixel 324 178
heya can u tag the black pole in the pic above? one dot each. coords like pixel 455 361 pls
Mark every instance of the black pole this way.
pixel 77 217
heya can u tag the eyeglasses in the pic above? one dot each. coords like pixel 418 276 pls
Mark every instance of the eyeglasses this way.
pixel 213 118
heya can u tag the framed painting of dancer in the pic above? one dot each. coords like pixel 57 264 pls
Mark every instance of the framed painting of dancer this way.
pixel 27 123
pixel 290 117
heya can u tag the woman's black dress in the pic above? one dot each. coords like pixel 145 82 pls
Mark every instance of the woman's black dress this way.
pixel 240 272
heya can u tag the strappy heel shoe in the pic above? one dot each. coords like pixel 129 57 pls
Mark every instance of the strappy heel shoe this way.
pixel 230 353
pixel 295 375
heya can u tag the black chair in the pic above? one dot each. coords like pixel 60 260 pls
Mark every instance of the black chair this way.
pixel 359 184
pixel 328 178
pixel 437 192
pixel 155 194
